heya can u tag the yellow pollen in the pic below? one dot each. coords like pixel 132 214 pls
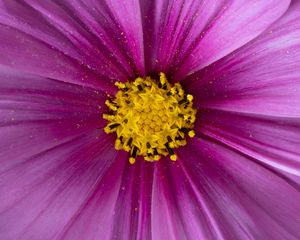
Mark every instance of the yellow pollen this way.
pixel 150 118
pixel 132 160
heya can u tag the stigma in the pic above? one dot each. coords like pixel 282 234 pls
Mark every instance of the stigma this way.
pixel 150 118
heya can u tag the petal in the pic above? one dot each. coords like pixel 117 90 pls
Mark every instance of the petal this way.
pixel 90 42
pixel 162 20
pixel 95 219
pixel 37 114
pixel 25 53
pixel 52 155
pixel 43 194
pixel 274 142
pixel 261 78
pixel 132 218
pixel 178 207
pixel 144 182
pixel 166 221
pixel 185 36
pixel 245 200
pixel 120 206
pixel 198 218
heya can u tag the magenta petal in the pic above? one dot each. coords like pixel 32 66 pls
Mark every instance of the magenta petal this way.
pixel 51 153
pixel 144 182
pixel 120 207
pixel 95 219
pixel 25 53
pixel 166 222
pixel 236 23
pixel 189 35
pixel 177 211
pixel 37 114
pixel 245 200
pixel 272 141
pixel 43 194
pixel 171 27
pixel 132 218
pixel 86 43
pixel 262 77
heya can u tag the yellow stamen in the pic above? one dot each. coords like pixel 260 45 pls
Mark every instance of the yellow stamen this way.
pixel 150 118
pixel 132 160
pixel 173 157
pixel 191 133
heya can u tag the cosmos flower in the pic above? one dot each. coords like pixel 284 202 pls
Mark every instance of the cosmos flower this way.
pixel 234 64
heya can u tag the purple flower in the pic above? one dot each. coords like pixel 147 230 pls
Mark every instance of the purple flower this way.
pixel 60 175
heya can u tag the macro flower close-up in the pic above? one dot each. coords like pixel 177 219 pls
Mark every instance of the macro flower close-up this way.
pixel 149 119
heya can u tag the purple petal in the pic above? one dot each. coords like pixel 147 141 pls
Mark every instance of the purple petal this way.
pixel 166 221
pixel 144 182
pixel 177 211
pixel 170 25
pixel 262 77
pixel 37 114
pixel 95 219
pixel 24 53
pixel 185 36
pixel 43 194
pixel 52 154
pixel 272 141
pixel 133 208
pixel 244 199
pixel 88 44
pixel 120 206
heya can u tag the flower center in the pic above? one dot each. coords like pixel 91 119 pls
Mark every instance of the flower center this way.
pixel 150 118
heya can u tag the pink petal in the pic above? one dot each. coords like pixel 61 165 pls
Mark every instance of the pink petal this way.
pixel 272 141
pixel 166 221
pixel 37 114
pixel 185 36
pixel 95 219
pixel 120 206
pixel 52 153
pixel 237 23
pixel 171 27
pixel 177 211
pixel 262 77
pixel 42 195
pixel 88 44
pixel 244 199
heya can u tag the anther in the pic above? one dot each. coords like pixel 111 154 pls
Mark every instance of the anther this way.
pixel 140 87
pixel 184 130
pixel 134 152
pixel 129 142
pixel 140 113
pixel 120 85
pixel 183 101
pixel 170 150
pixel 112 126
pixel 179 137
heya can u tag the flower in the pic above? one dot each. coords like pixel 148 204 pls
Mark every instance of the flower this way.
pixel 60 174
